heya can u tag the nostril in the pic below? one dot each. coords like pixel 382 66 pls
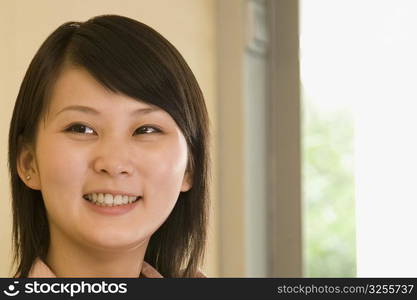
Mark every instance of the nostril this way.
pixel 114 172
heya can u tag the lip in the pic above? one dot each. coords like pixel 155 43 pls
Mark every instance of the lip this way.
pixel 112 210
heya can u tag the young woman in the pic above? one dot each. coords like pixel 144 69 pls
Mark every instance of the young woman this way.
pixel 108 156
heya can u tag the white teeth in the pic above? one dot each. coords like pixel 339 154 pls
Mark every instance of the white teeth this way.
pixel 118 199
pixel 100 198
pixel 110 200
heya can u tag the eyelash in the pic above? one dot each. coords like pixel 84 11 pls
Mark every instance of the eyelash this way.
pixel 71 128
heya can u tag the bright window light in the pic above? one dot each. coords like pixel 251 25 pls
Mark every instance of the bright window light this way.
pixel 359 63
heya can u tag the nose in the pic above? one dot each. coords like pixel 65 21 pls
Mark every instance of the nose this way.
pixel 113 160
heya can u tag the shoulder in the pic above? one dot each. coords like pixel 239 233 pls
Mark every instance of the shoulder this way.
pixel 40 269
pixel 148 271
pixel 200 275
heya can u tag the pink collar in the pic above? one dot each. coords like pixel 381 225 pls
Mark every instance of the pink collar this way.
pixel 40 269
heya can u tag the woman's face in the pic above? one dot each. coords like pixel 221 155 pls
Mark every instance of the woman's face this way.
pixel 93 141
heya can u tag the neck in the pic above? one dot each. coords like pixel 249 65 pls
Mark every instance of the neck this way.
pixel 67 259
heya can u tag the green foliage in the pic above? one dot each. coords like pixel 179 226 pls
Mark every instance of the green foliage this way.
pixel 328 192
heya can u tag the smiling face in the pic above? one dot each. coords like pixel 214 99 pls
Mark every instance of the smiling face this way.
pixel 95 141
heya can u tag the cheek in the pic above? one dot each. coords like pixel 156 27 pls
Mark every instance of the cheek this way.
pixel 61 168
pixel 165 172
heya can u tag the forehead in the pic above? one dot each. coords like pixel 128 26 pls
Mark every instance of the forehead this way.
pixel 75 86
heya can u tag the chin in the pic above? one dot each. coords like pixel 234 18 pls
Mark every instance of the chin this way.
pixel 118 242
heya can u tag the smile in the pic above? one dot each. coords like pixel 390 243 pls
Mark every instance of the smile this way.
pixel 110 200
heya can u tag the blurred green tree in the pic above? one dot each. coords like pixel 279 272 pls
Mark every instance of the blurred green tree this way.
pixel 328 191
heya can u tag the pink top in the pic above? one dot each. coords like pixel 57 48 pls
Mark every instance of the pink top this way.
pixel 40 269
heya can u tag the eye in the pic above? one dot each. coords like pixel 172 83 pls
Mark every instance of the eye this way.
pixel 147 130
pixel 80 129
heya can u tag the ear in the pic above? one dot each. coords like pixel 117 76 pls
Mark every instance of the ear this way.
pixel 27 168
pixel 186 182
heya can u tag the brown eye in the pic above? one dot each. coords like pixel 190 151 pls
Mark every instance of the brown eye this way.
pixel 80 129
pixel 147 130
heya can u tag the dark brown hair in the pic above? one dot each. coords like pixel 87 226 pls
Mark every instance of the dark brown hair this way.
pixel 130 58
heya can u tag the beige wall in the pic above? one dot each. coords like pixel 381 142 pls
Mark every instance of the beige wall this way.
pixel 188 24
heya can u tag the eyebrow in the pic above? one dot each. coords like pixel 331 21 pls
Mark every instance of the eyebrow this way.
pixel 92 111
